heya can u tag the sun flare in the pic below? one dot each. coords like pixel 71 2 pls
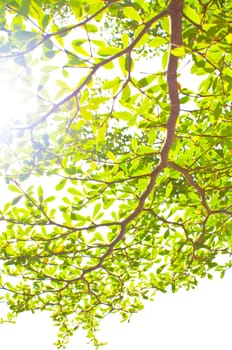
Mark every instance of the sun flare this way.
pixel 16 99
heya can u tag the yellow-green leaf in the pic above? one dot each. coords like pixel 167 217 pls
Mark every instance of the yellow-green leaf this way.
pixel 178 51
pixel 131 13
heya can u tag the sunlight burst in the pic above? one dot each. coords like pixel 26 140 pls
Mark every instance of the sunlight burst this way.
pixel 16 99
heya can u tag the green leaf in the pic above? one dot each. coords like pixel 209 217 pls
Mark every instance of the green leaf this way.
pixel 91 28
pixel 169 189
pixel 74 191
pixel 165 60
pixel 14 188
pixel 46 20
pixel 109 84
pixel 192 14
pixel 145 149
pixel 108 51
pixel 17 199
pixel 77 217
pixel 158 41
pixel 178 51
pixel 24 35
pixel 152 135
pixel 49 199
pixel 111 156
pixel 131 13
pixel 75 61
pixel 40 193
pixel 77 46
pixel 146 81
pixel 24 10
pixel 126 116
pixel 96 209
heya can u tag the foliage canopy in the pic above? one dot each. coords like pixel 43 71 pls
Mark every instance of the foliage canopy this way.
pixel 121 167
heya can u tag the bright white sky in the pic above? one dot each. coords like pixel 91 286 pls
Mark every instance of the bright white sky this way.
pixel 198 319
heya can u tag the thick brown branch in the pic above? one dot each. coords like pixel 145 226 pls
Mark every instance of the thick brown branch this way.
pixel 175 13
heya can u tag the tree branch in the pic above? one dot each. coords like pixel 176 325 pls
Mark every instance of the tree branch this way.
pixel 175 13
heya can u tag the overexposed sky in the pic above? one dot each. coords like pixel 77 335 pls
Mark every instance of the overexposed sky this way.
pixel 194 320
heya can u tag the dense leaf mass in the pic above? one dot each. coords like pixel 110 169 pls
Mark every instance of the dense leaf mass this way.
pixel 119 169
